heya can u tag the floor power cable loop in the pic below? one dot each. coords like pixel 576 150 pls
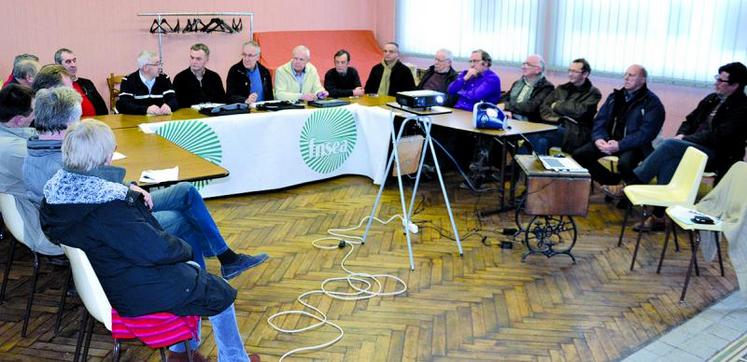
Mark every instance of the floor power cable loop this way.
pixel 362 284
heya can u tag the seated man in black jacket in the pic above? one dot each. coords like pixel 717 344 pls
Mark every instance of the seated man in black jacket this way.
pixel 343 80
pixel 93 104
pixel 248 81
pixel 142 269
pixel 390 76
pixel 147 91
pixel 197 84
pixel 440 75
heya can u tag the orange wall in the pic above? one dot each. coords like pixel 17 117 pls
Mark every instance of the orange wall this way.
pixel 107 35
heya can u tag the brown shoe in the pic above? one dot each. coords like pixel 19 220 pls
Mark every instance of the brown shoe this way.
pixel 182 357
pixel 254 357
pixel 652 223
pixel 614 191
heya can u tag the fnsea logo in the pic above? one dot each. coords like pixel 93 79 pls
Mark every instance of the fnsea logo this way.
pixel 327 139
pixel 196 137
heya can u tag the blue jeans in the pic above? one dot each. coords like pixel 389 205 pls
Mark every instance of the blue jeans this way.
pixel 664 161
pixel 227 337
pixel 181 211
pixel 541 142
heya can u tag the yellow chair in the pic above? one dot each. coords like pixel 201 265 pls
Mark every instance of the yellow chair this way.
pixel 736 205
pixel 681 190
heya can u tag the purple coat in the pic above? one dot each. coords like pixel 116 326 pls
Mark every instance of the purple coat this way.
pixel 485 87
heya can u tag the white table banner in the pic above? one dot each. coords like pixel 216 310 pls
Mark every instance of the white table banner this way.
pixel 265 151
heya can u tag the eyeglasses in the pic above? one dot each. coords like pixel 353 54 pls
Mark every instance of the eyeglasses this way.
pixel 249 55
pixel 719 80
pixel 530 65
pixel 575 71
pixel 440 60
pixel 155 64
pixel 475 60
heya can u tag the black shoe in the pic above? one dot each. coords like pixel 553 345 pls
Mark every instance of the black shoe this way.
pixel 652 223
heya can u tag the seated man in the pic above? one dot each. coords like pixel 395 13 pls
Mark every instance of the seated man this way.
pixel 92 104
pixel 142 268
pixel 178 208
pixel 343 80
pixel 248 81
pixel 24 72
pixel 625 126
pixel 576 100
pixel 25 56
pixel 717 126
pixel 298 79
pixel 147 91
pixel 15 118
pixel 478 83
pixel 197 84
pixel 439 75
pixel 526 95
pixel 390 76
pixel 50 76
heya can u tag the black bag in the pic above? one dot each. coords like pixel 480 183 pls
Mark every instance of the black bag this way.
pixel 575 135
pixel 279 105
pixel 226 109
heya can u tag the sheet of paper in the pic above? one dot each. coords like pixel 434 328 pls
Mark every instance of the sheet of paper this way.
pixel 148 128
pixel 685 215
pixel 118 156
pixel 163 175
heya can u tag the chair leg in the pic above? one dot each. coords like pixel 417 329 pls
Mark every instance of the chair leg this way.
pixel 718 248
pixel 670 228
pixel 638 240
pixel 625 222
pixel 7 268
pixel 162 351
pixel 188 349
pixel 81 333
pixel 89 334
pixel 30 301
pixel 694 249
pixel 689 269
pixel 63 299
pixel 115 354
pixel 676 242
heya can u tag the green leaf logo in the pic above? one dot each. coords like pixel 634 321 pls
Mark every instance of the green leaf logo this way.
pixel 196 137
pixel 327 139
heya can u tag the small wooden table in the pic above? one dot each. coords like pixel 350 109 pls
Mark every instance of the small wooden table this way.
pixel 551 199
pixel 151 151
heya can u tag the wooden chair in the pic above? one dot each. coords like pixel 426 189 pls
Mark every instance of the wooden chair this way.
pixel 114 81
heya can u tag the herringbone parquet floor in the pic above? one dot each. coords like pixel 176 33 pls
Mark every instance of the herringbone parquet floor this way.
pixel 485 305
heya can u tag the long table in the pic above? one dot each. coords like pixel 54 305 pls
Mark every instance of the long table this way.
pixel 149 151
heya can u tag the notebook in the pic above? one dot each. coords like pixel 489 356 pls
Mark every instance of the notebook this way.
pixel 561 164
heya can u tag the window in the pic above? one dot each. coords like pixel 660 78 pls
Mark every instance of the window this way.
pixel 674 39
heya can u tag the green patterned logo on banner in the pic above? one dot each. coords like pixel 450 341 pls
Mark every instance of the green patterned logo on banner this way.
pixel 327 139
pixel 196 137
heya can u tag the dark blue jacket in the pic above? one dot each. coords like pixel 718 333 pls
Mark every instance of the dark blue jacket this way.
pixel 634 124
pixel 142 268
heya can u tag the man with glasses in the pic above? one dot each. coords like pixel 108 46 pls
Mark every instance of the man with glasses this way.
pixel 717 126
pixel 390 76
pixel 248 81
pixel 440 75
pixel 197 84
pixel 572 107
pixel 478 83
pixel 298 79
pixel 343 80
pixel 147 90
pixel 526 95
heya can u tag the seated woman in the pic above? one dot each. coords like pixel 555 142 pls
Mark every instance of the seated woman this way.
pixel 142 268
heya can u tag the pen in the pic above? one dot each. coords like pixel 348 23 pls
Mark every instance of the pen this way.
pixel 148 178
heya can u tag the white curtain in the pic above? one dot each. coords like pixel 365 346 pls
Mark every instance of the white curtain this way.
pixel 674 39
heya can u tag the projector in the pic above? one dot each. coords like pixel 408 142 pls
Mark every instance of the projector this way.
pixel 420 98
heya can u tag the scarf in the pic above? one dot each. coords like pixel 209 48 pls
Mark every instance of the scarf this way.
pixel 384 84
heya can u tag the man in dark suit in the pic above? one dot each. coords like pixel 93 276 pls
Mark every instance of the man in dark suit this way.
pixel 390 76
pixel 197 84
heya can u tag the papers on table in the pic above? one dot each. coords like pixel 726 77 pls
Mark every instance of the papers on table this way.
pixel 200 106
pixel 149 128
pixel 118 156
pixel 157 176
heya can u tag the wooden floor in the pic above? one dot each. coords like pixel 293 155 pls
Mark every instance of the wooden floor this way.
pixel 485 305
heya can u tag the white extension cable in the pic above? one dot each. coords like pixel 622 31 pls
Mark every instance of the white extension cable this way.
pixel 361 283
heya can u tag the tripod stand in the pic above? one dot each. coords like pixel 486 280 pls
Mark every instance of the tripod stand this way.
pixel 425 124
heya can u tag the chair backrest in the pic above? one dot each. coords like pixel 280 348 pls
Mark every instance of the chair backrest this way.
pixel 11 216
pixel 114 81
pixel 687 177
pixel 88 286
